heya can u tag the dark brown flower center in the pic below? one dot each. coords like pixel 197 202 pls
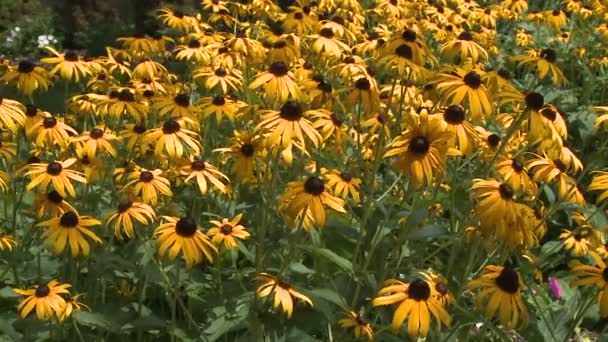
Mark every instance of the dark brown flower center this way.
pixel 69 219
pixel 559 165
pixel 96 133
pixel 556 12
pixel 549 113
pixel 466 35
pixel 291 111
pixel 54 168
pixel 454 114
pixel 442 288
pixel 124 205
pixel 146 176
pixel 54 197
pixel 42 290
pixel 404 51
pixel 409 35
pixel 504 74
pixel 605 274
pixel 178 14
pixel 284 283
pixel 148 93
pixel 126 96
pixel 419 145
pixel 298 15
pixel 326 32
pixel 31 111
pixel 197 165
pixel 419 290
pixel 346 176
pixel 220 72
pixel 535 101
pixel 279 69
pixel 505 190
pixel 226 229
pixel 71 56
pixel 49 122
pixel 362 84
pixel 194 44
pixel 279 44
pixel 508 280
pixel 139 129
pixel 314 186
pixel 219 100
pixel 334 119
pixel 517 165
pixel 247 150
pixel 472 79
pixel 171 126
pixel 25 67
pixel 493 140
pixel 185 227
pixel 361 320
pixel 182 100
pixel 549 55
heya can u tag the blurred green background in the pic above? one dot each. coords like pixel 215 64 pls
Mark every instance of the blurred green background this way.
pixel 89 25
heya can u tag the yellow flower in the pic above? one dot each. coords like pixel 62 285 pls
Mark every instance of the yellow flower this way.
pixel 124 215
pixel 70 229
pixel 182 235
pixel 57 173
pixel 71 304
pixel 7 242
pixel 46 299
pixel 416 302
pixel 69 65
pixel 12 114
pixel 172 139
pixel 600 183
pixel 96 140
pixel 27 77
pixel 359 324
pixel 306 201
pixel 227 232
pixel 501 290
pixel 284 293
pixel 342 183
pixel 459 85
pixel 278 83
pixel 147 184
pixel 204 172
pixel 593 275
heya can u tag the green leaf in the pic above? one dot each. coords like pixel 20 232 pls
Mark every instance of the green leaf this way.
pixel 329 295
pixel 428 231
pixel 93 319
pixel 341 262
pixel 8 292
pixel 298 267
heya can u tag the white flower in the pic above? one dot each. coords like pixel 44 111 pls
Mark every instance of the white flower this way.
pixel 46 40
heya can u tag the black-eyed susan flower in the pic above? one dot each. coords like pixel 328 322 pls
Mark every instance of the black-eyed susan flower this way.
pixel 421 151
pixel 222 78
pixel 440 283
pixel 150 69
pixel 70 230
pixel 278 83
pixel 306 200
pixel 600 183
pixel 72 303
pixel 227 232
pixel 464 137
pixel 51 203
pixel 55 173
pixel 50 130
pixel 244 150
pixel 495 201
pixel 27 77
pixel 97 140
pixel 173 139
pixel 514 173
pixel 289 124
pixel 175 20
pixel 415 301
pixel 544 63
pixel 459 86
pixel 181 235
pixel 46 299
pixel 8 150
pixel 359 324
pixel 342 183
pixel 364 92
pixel 7 243
pixel 464 47
pixel 148 184
pixel 501 292
pixel 12 114
pixel 123 101
pixel 127 212
pixel 327 44
pixel 593 275
pixel 221 107
pixel 421 54
pixel 580 241
pixel 284 293
pixel 175 106
pixel 133 136
pixel 69 65
pixel 204 173
pixel 193 52
pixel 400 61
